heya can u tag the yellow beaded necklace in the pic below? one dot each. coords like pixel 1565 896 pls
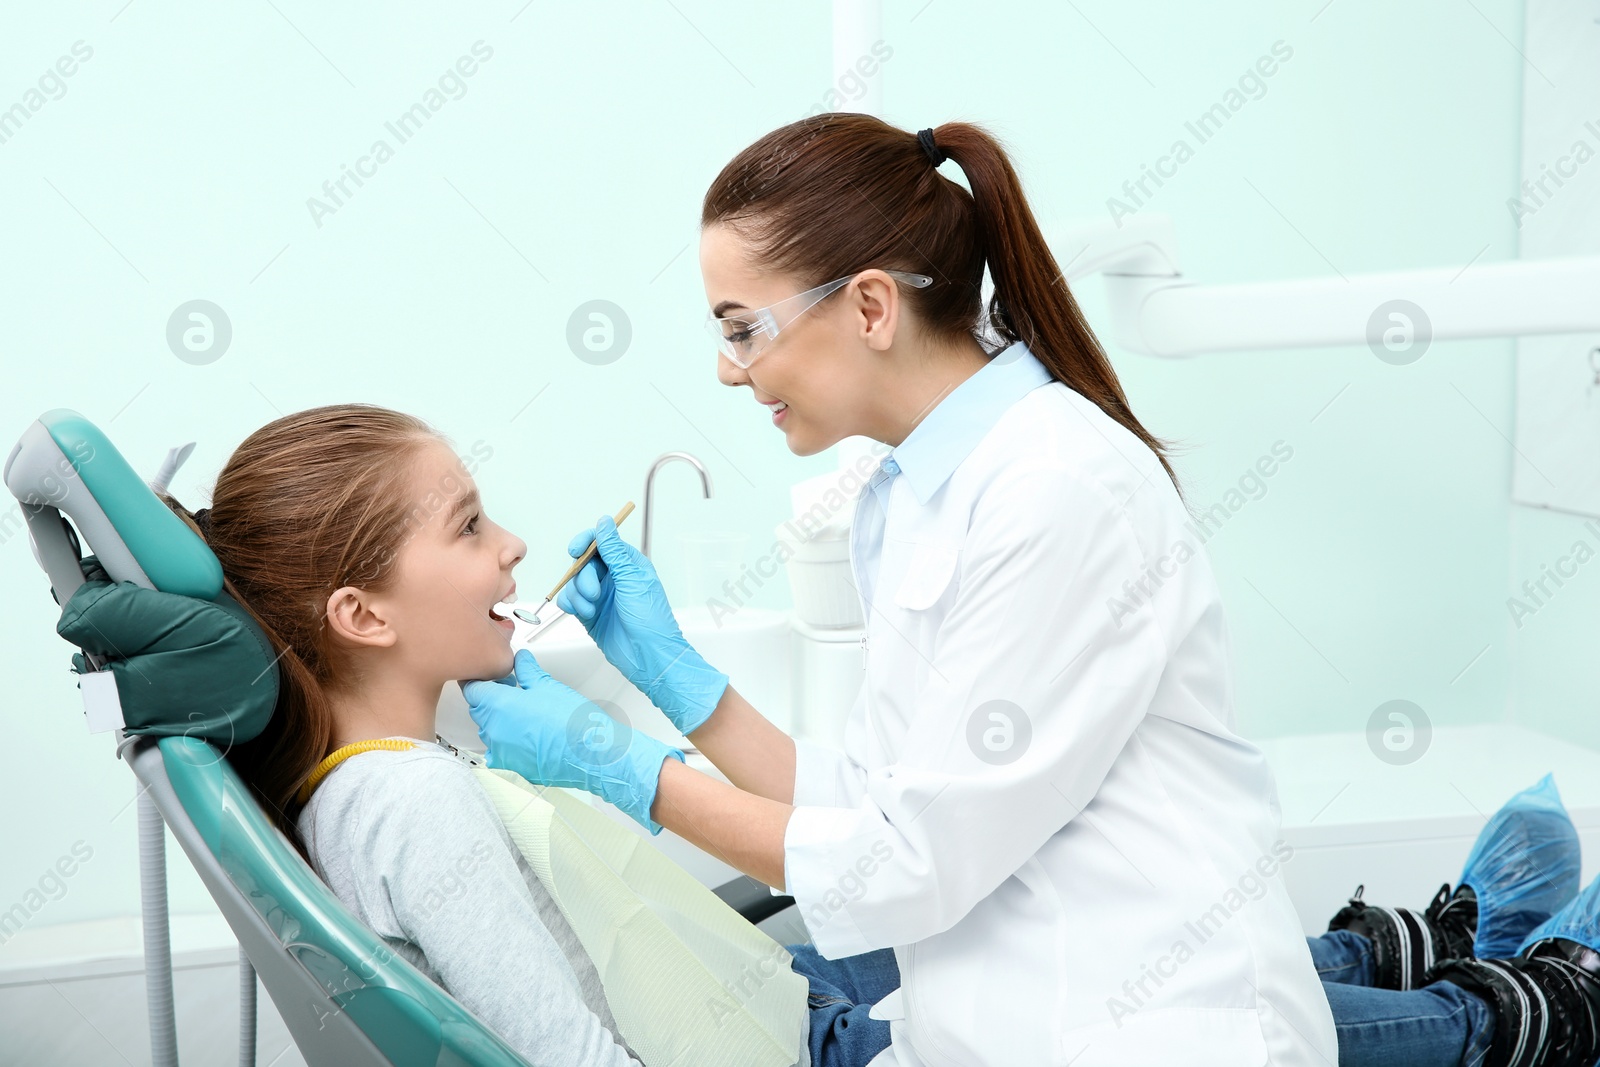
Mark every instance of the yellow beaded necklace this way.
pixel 344 752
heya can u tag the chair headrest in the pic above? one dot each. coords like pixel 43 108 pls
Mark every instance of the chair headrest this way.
pixel 149 603
pixel 64 465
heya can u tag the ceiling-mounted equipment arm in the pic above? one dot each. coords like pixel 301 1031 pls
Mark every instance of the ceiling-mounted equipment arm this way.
pixel 1155 310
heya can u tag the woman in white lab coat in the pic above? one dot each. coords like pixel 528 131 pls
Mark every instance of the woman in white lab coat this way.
pixel 1041 809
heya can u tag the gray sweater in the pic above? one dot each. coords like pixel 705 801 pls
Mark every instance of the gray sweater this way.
pixel 411 844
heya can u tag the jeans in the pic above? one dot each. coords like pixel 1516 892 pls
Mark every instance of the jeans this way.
pixel 842 992
pixel 1440 1025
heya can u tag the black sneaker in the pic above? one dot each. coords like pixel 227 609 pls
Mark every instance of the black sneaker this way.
pixel 1406 943
pixel 1546 1003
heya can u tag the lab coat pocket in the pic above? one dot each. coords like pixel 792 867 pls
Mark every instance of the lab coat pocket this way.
pixel 927 576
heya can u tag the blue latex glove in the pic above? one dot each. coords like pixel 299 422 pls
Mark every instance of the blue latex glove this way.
pixel 553 735
pixel 618 598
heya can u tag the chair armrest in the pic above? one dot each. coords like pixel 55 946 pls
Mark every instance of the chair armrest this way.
pixel 751 898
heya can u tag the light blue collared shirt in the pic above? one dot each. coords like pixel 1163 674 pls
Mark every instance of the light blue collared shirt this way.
pixel 936 446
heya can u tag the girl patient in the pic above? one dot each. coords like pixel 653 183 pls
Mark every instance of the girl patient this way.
pixel 357 539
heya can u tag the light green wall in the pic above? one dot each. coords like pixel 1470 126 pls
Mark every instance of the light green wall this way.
pixel 1375 564
pixel 178 164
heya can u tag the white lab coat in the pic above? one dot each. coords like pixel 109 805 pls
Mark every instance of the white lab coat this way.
pixel 1113 893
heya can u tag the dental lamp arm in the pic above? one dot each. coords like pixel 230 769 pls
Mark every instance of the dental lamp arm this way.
pixel 1156 311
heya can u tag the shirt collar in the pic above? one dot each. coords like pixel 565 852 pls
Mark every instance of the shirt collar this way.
pixel 947 435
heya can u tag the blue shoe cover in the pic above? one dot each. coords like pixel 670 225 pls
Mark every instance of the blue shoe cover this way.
pixel 1524 868
pixel 1579 921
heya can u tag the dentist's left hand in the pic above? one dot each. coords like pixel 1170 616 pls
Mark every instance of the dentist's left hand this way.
pixel 553 735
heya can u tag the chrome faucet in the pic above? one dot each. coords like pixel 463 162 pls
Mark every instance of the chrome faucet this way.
pixel 650 488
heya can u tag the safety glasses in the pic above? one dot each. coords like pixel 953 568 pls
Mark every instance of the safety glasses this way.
pixel 742 337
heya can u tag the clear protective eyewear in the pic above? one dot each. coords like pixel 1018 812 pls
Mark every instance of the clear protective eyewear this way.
pixel 742 337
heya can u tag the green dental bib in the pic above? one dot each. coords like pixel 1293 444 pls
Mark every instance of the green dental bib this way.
pixel 690 982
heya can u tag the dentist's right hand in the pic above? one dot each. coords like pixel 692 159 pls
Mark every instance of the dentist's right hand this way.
pixel 618 598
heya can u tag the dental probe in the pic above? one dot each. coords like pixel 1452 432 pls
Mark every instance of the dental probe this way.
pixel 532 617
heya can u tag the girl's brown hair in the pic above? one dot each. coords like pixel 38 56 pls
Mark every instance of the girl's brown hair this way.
pixel 308 503
pixel 842 192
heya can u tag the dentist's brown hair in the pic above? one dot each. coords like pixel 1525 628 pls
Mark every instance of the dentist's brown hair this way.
pixel 842 192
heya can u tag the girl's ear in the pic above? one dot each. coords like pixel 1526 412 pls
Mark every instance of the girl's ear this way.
pixel 353 619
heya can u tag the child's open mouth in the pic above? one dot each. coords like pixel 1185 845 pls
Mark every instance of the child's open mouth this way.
pixel 500 620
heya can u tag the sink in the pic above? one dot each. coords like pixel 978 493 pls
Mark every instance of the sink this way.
pixel 752 646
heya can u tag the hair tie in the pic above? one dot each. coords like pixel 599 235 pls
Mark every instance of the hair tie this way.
pixel 934 152
pixel 202 519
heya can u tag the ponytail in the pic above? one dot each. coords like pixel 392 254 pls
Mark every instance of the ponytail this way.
pixel 841 192
pixel 276 761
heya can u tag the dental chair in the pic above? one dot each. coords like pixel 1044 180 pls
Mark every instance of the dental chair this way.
pixel 346 997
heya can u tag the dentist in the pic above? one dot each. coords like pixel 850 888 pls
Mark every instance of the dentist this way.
pixel 1043 843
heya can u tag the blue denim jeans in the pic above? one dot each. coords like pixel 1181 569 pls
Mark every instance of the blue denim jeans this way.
pixel 842 992
pixel 1439 1025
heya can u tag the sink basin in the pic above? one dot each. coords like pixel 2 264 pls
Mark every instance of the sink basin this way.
pixel 752 646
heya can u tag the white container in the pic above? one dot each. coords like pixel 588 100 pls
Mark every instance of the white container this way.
pixel 828 675
pixel 820 582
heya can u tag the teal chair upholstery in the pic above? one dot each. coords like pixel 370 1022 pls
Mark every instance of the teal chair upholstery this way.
pixel 345 996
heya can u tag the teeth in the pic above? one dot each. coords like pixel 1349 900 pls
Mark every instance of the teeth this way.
pixel 779 406
pixel 502 608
